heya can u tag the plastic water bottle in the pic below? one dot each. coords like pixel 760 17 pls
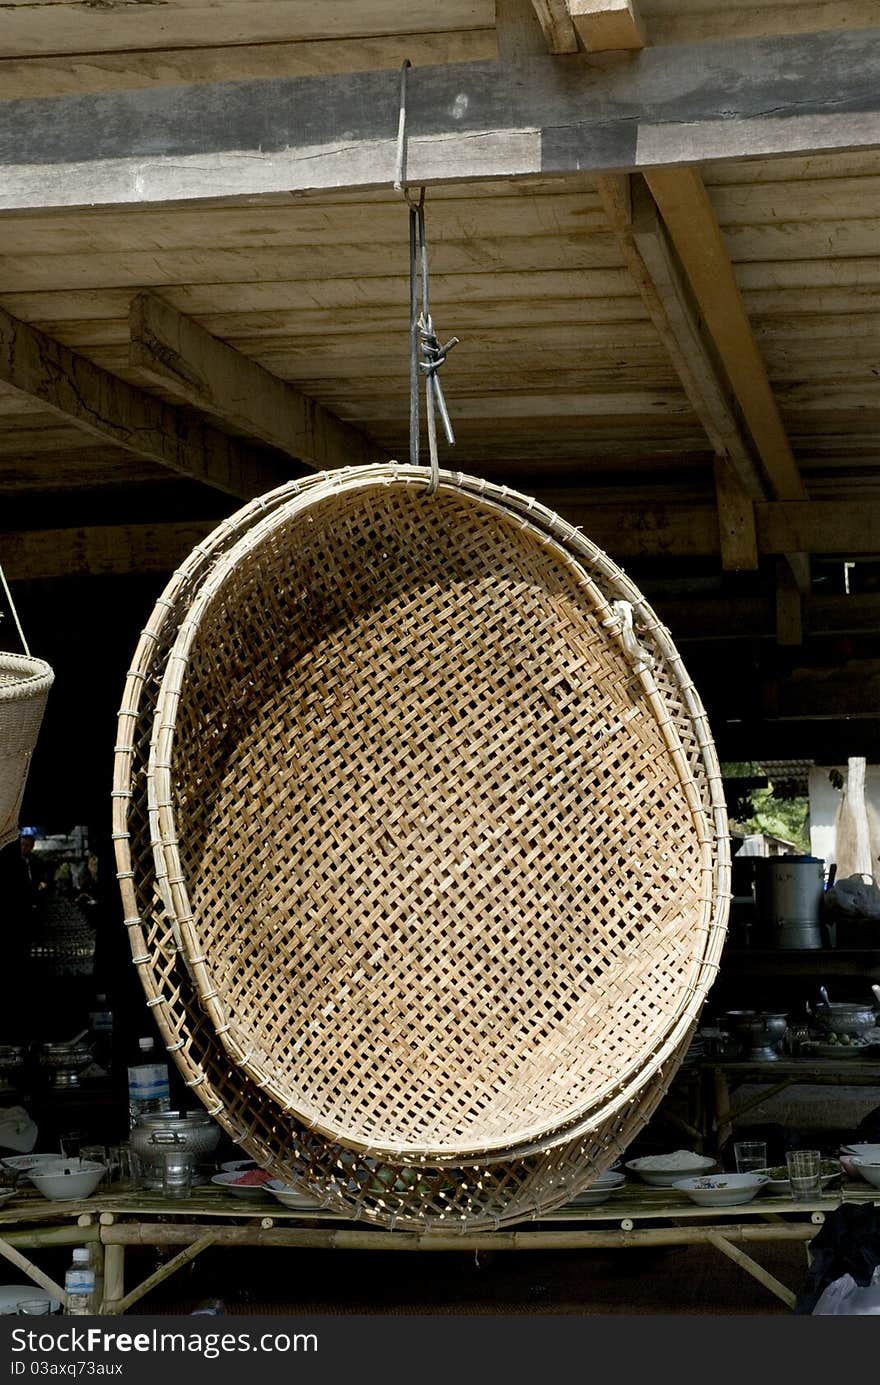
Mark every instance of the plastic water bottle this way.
pixel 148 1087
pixel 79 1284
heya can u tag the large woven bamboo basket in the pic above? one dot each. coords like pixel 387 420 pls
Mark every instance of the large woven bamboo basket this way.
pixel 440 818
pixel 24 688
pixel 438 1199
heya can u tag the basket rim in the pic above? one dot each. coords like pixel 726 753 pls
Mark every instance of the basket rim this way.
pixel 23 676
pixel 608 1099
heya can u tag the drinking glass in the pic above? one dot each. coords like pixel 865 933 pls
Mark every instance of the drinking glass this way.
pixel 804 1173
pixel 96 1154
pixel 125 1168
pixel 70 1144
pixel 749 1155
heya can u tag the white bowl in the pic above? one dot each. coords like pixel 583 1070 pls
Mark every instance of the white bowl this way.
pixel 863 1151
pixel 23 1163
pixel 292 1197
pixel 67 1179
pixel 667 1178
pixel 721 1189
pixel 869 1171
pixel 11 1296
pixel 227 1181
pixel 599 1191
pixel 239 1165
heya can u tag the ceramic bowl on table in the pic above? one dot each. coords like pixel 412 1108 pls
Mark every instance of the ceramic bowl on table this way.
pixel 68 1179
pixel 862 1150
pixel 722 1189
pixel 11 1295
pixel 23 1163
pixel 601 1190
pixel 231 1183
pixel 778 1181
pixel 870 1172
pixel 652 1170
pixel 292 1197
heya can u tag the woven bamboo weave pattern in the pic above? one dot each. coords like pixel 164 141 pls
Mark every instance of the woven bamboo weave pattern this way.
pixel 483 1195
pixel 473 888
pixel 24 689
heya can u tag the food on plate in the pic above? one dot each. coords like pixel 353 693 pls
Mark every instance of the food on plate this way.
pixel 253 1178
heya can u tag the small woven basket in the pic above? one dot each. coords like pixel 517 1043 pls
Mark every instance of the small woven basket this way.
pixel 432 1199
pixel 444 841
pixel 24 688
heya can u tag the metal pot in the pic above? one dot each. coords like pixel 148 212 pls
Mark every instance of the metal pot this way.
pixel 838 1017
pixel 64 1062
pixel 195 1131
pixel 789 891
pixel 759 1031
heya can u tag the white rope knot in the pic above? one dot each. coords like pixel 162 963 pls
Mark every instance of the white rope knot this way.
pixel 640 659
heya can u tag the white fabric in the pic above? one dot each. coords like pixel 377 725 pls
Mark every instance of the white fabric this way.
pixel 845 1297
pixel 17 1131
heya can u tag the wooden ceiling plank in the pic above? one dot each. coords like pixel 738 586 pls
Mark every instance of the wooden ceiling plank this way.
pixel 172 351
pixel 83 394
pixel 605 26
pixel 687 212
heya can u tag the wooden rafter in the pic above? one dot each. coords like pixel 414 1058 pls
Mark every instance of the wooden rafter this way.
pixel 556 24
pixel 83 394
pixel 606 26
pixel 172 351
pixel 688 215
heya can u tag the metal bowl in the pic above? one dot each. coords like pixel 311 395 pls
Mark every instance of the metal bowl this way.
pixel 841 1018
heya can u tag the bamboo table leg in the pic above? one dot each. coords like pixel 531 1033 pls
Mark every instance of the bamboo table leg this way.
pixel 114 1279
pixel 752 1267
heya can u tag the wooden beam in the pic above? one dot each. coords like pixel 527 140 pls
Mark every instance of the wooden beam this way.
pixel 172 351
pixel 625 531
pixel 736 520
pixel 652 262
pixel 685 207
pixel 99 550
pixel 556 24
pixel 604 26
pixel 84 394
pixel 663 107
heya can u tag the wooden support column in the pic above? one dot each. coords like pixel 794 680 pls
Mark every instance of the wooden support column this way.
pixel 605 26
pixel 789 606
pixel 93 399
pixel 736 520
pixel 170 350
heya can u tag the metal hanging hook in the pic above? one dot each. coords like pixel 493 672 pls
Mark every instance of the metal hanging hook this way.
pixel 422 335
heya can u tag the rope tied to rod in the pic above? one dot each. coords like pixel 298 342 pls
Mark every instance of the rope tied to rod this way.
pixel 422 336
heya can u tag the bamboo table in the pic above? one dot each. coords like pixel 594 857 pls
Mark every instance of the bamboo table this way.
pixel 637 1216
pixel 725 1077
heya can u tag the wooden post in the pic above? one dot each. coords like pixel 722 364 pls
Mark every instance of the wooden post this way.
pixel 114 1278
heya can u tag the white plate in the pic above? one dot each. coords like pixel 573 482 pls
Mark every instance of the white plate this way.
pixel 239 1166
pixel 227 1181
pixel 606 1184
pixel 292 1197
pixel 21 1163
pixel 12 1294
pixel 665 1178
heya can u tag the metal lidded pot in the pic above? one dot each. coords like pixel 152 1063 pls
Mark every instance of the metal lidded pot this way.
pixel 788 892
pixel 194 1131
